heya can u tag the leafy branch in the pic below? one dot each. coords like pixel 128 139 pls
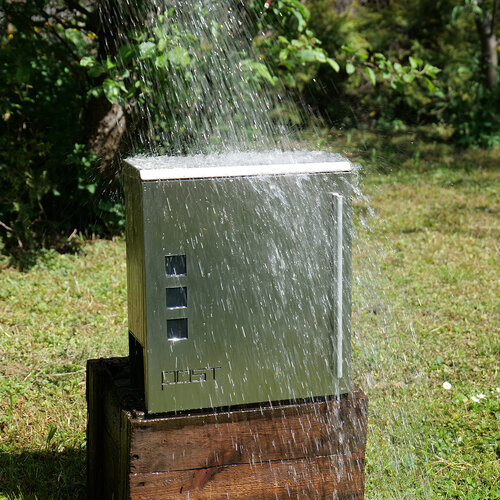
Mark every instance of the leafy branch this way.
pixel 397 74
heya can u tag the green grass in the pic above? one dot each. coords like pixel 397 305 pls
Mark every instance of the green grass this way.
pixel 431 316
pixel 64 310
pixel 426 311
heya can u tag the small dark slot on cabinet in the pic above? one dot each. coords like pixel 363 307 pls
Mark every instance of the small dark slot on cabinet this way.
pixel 176 297
pixel 177 329
pixel 175 265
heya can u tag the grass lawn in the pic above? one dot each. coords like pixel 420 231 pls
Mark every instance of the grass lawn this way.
pixel 426 333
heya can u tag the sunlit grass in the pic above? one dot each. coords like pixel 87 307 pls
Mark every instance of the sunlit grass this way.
pixel 66 309
pixel 427 311
pixel 431 316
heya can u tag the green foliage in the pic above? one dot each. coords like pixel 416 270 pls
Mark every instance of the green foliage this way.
pixel 398 76
pixel 284 41
pixel 160 74
pixel 49 185
pixel 468 103
pixel 388 65
pixel 385 79
pixel 296 55
pixel 53 68
pixel 170 72
pixel 415 38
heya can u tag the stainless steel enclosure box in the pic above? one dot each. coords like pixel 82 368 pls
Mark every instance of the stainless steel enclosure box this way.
pixel 239 277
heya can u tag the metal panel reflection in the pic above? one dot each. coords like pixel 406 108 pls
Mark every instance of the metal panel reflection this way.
pixel 239 277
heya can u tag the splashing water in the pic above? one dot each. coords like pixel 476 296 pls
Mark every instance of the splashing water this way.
pixel 201 91
pixel 201 87
pixel 385 364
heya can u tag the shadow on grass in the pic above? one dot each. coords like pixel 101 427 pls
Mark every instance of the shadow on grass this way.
pixel 43 475
pixel 26 258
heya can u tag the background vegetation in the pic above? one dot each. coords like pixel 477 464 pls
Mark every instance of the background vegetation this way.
pixel 72 77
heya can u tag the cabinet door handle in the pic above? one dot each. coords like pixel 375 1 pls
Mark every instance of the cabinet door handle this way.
pixel 339 209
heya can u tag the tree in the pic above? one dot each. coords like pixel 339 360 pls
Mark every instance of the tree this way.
pixel 50 189
pixel 460 104
pixel 485 20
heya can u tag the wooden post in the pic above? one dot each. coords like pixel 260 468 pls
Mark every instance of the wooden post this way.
pixel 301 450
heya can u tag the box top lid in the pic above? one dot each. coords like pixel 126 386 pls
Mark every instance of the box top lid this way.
pixel 238 164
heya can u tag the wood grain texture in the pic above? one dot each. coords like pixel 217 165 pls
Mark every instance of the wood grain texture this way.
pixel 303 450
pixel 321 477
pixel 107 433
pixel 249 436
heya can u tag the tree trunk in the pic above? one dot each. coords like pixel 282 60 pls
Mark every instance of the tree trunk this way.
pixel 485 25
pixel 490 59
pixel 106 123
pixel 106 126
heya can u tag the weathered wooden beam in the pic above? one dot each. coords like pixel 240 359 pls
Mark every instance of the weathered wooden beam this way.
pixel 300 450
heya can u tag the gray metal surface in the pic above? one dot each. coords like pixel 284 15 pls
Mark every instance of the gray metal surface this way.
pixel 265 293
